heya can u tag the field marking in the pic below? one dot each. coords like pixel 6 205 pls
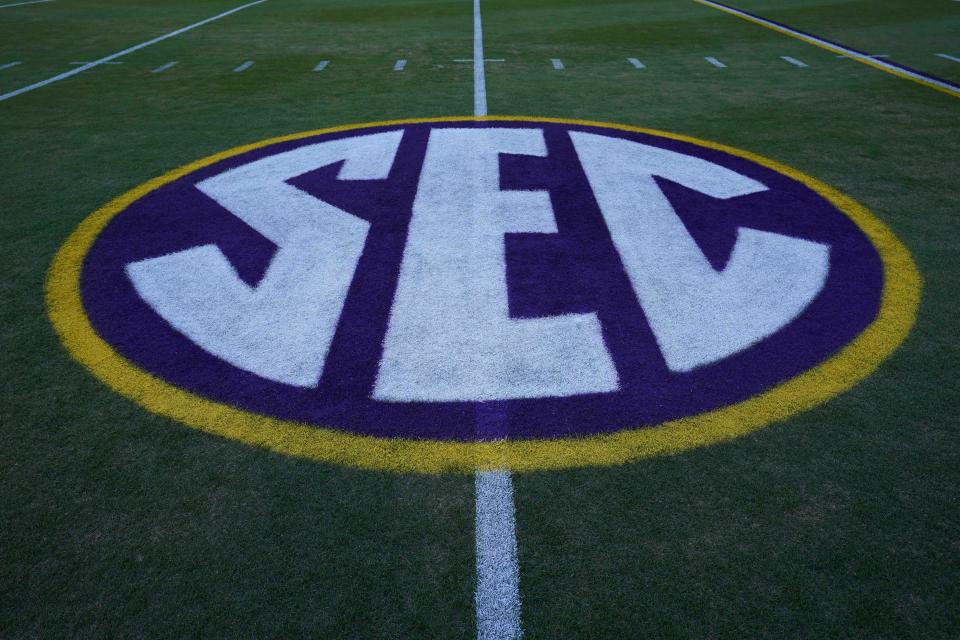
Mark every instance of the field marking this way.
pixel 77 62
pixel 715 62
pixel 321 65
pixel 10 64
pixel 888 67
pixel 479 74
pixel 243 66
pixel 114 56
pixel 498 571
pixel 794 61
pixel 870 55
pixel 164 67
pixel 400 65
pixel 946 56
pixel 557 64
pixel 18 4
pixel 636 63
pixel 497 598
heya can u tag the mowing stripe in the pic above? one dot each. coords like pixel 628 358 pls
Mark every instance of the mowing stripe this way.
pixel 10 64
pixel 636 63
pixel 164 67
pixel 244 66
pixel 715 62
pixel 794 61
pixel 948 57
pixel 498 573
pixel 889 67
pixel 400 65
pixel 321 65
pixel 17 4
pixel 114 56
pixel 479 75
pixel 497 598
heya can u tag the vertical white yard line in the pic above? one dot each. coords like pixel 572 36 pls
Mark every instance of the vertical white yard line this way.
pixel 321 65
pixel 243 67
pixel 399 65
pixel 557 63
pixel 498 574
pixel 497 598
pixel 10 64
pixel 479 76
pixel 17 4
pixel 636 63
pixel 114 56
pixel 948 57
pixel 715 62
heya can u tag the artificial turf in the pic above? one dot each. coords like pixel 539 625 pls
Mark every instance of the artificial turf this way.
pixel 840 522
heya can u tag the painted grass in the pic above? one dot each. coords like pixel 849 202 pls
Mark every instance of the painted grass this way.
pixel 839 523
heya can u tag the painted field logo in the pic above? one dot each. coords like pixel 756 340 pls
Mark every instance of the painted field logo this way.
pixel 474 293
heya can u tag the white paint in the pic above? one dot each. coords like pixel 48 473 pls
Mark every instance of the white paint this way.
pixel 794 61
pixel 479 74
pixel 114 56
pixel 400 65
pixel 836 48
pixel 19 4
pixel 76 62
pixel 164 67
pixel 557 64
pixel 497 597
pixel 321 65
pixel 698 315
pixel 244 66
pixel 715 62
pixel 10 64
pixel 636 63
pixel 450 336
pixel 280 329
pixel 948 57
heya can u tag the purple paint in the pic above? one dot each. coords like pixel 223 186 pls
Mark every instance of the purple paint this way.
pixel 577 269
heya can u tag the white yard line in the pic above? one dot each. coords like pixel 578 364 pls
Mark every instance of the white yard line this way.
pixel 479 75
pixel 76 62
pixel 321 65
pixel 498 573
pixel 114 56
pixel 497 598
pixel 948 57
pixel 715 62
pixel 636 63
pixel 794 61
pixel 10 64
pixel 557 64
pixel 873 61
pixel 244 66
pixel 18 4
pixel 400 65
pixel 164 67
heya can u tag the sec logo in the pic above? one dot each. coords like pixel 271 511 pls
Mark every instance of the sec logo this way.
pixel 475 293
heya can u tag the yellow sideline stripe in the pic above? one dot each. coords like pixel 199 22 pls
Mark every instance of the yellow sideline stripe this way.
pixel 817 42
pixel 853 363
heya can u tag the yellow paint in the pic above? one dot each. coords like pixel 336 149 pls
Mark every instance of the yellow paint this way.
pixel 834 49
pixel 856 361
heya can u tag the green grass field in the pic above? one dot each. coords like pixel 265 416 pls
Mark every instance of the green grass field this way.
pixel 841 522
